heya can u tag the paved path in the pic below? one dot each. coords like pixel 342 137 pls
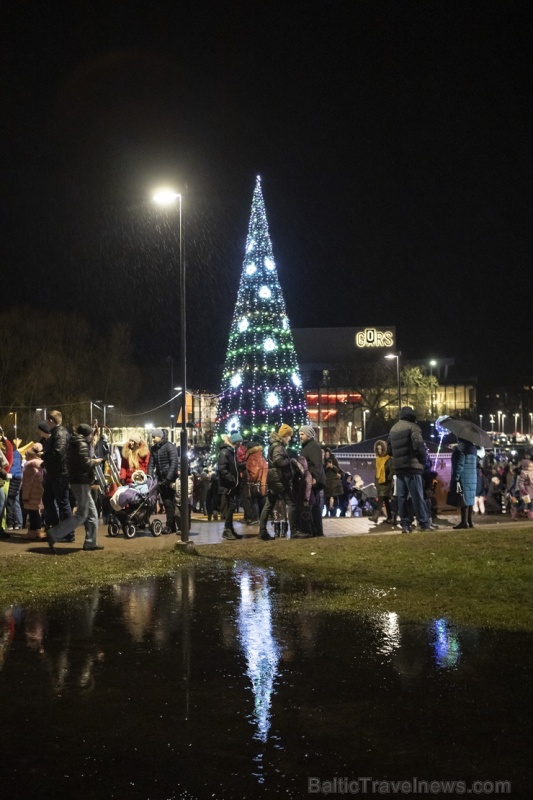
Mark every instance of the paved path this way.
pixel 203 532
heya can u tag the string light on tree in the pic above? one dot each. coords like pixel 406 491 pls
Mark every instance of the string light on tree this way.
pixel 261 382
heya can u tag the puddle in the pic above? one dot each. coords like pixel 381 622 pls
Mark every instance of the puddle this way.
pixel 205 686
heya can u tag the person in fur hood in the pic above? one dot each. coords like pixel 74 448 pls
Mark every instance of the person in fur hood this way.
pixel 135 455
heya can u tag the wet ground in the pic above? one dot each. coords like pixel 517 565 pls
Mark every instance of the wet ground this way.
pixel 210 685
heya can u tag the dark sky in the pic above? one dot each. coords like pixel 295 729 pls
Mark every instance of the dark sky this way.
pixel 393 138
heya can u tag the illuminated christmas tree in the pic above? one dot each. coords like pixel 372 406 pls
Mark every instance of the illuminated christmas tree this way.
pixel 261 383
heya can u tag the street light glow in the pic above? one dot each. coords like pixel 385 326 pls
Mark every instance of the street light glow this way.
pixel 165 197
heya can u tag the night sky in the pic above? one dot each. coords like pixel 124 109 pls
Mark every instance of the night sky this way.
pixel 393 139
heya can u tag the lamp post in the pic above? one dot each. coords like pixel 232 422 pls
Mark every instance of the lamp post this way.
pixel 499 414
pixel 491 423
pixel 365 412
pixel 530 422
pixel 397 357
pixel 516 415
pixel 15 419
pixel 432 364
pixel 481 420
pixel 503 422
pixel 106 406
pixel 167 197
pixel 91 404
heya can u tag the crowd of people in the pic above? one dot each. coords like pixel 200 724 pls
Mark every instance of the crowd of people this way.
pixel 64 480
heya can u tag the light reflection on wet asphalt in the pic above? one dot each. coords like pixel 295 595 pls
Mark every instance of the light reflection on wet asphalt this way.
pixel 205 686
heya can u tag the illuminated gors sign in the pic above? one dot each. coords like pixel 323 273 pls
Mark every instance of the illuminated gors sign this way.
pixel 375 337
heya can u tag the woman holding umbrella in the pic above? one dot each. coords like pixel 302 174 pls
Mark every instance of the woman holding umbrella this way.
pixel 464 477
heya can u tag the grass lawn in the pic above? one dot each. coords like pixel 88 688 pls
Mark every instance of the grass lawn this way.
pixel 482 578
pixel 478 577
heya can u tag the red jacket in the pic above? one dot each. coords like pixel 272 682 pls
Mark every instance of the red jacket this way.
pixel 132 460
pixel 7 447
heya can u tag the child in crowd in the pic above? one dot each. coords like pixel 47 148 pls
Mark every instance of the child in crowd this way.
pixel 32 490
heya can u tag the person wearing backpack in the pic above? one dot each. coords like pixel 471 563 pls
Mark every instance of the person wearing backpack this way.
pixel 256 468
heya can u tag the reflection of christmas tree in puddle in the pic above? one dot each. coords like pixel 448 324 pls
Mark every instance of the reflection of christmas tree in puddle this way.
pixel 260 648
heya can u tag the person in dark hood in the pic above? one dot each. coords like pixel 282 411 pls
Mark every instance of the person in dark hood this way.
pixel 228 482
pixel 80 471
pixel 406 446
pixel 312 452
pixel 56 489
pixel 163 465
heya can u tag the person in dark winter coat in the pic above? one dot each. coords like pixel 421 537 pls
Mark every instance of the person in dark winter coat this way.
pixel 229 482
pixel 212 500
pixel 56 489
pixel 80 466
pixel 481 488
pixel 493 501
pixel 333 488
pixel 312 453
pixel 406 446
pixel 464 463
pixel 163 465
pixel 302 491
pixel 279 479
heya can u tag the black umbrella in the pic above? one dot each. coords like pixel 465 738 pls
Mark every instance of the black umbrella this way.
pixel 464 429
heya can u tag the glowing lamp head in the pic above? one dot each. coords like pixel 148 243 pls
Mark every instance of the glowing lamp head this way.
pixel 165 197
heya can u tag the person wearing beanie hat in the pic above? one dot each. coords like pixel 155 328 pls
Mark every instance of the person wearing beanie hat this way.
pixel 312 452
pixel 81 475
pixel 84 429
pixel 56 495
pixel 43 427
pixel 228 482
pixel 279 478
pixel 409 455
pixel 163 465
pixel 285 430
pixel 308 430
pixel 135 455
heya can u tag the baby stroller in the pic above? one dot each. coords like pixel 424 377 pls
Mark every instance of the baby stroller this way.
pixel 132 510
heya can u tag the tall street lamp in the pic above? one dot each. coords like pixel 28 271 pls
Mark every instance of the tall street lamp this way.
pixel 365 412
pixel 397 357
pixel 432 364
pixel 15 420
pixel 167 198
pixel 516 415
pixel 95 404
pixel 106 406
